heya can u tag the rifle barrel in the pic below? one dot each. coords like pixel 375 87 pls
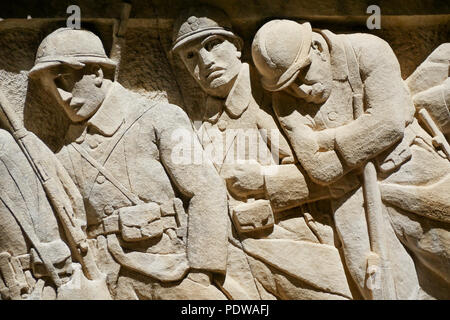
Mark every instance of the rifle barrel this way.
pixel 10 114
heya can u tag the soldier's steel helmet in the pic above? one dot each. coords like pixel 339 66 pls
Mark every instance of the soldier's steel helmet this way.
pixel 199 22
pixel 280 50
pixel 70 46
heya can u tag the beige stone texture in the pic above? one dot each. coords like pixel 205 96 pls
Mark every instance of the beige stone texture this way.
pixel 262 150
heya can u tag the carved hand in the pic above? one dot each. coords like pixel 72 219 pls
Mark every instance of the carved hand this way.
pixel 326 139
pixel 244 180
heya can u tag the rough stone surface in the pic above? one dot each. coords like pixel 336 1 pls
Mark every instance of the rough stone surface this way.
pixel 174 150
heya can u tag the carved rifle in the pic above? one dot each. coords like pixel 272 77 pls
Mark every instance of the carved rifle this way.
pixel 438 136
pixel 380 280
pixel 56 193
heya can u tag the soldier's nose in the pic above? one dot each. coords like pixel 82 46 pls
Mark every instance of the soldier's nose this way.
pixel 205 58
pixel 306 89
pixel 65 96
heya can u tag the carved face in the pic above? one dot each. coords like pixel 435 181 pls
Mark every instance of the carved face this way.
pixel 314 82
pixel 79 91
pixel 214 62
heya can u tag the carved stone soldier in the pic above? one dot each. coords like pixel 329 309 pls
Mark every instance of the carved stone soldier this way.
pixel 39 257
pixel 24 206
pixel 430 88
pixel 346 112
pixel 118 151
pixel 279 247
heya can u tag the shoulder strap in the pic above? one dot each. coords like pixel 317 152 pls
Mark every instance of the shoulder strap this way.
pixel 124 129
pixel 25 224
pixel 99 165
pixel 107 174
pixel 354 78
pixel 110 148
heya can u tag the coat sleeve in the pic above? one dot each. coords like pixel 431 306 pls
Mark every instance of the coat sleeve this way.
pixel 272 134
pixel 321 163
pixel 196 178
pixel 385 99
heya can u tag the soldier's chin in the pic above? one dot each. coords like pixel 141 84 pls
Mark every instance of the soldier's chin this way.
pixel 84 112
pixel 218 87
pixel 218 83
pixel 72 115
pixel 319 96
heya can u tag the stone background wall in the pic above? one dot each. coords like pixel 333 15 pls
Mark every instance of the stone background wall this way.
pixel 413 29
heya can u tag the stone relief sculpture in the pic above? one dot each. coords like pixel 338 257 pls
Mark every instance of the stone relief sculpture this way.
pixel 36 193
pixel 24 206
pixel 211 52
pixel 117 152
pixel 346 110
pixel 317 172
pixel 429 87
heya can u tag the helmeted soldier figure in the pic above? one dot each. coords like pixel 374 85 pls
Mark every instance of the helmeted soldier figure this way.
pixel 44 252
pixel 118 151
pixel 235 123
pixel 429 85
pixel 344 107
pixel 26 214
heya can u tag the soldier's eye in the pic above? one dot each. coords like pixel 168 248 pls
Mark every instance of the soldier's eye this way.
pixel 211 44
pixel 190 55
pixel 63 81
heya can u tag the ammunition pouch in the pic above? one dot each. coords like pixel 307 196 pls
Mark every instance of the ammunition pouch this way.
pixel 253 216
pixel 59 256
pixel 13 278
pixel 143 221
pixel 140 222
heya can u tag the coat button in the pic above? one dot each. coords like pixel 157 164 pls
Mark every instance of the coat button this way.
pixel 101 179
pixel 108 209
pixel 332 115
pixel 93 143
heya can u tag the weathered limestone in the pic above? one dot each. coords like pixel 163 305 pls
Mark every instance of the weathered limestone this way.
pixel 211 53
pixel 344 106
pixel 289 163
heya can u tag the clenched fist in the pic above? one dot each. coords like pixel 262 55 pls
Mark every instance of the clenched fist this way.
pixel 244 180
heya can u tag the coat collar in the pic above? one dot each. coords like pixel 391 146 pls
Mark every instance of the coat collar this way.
pixel 338 58
pixel 107 119
pixel 110 116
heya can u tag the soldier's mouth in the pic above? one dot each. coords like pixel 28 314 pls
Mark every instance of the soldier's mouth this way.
pixel 214 73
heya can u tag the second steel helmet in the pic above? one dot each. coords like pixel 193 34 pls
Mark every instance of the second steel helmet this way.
pixel 280 50
pixel 198 22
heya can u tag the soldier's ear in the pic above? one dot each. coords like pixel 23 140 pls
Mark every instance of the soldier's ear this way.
pixel 238 43
pixel 317 46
